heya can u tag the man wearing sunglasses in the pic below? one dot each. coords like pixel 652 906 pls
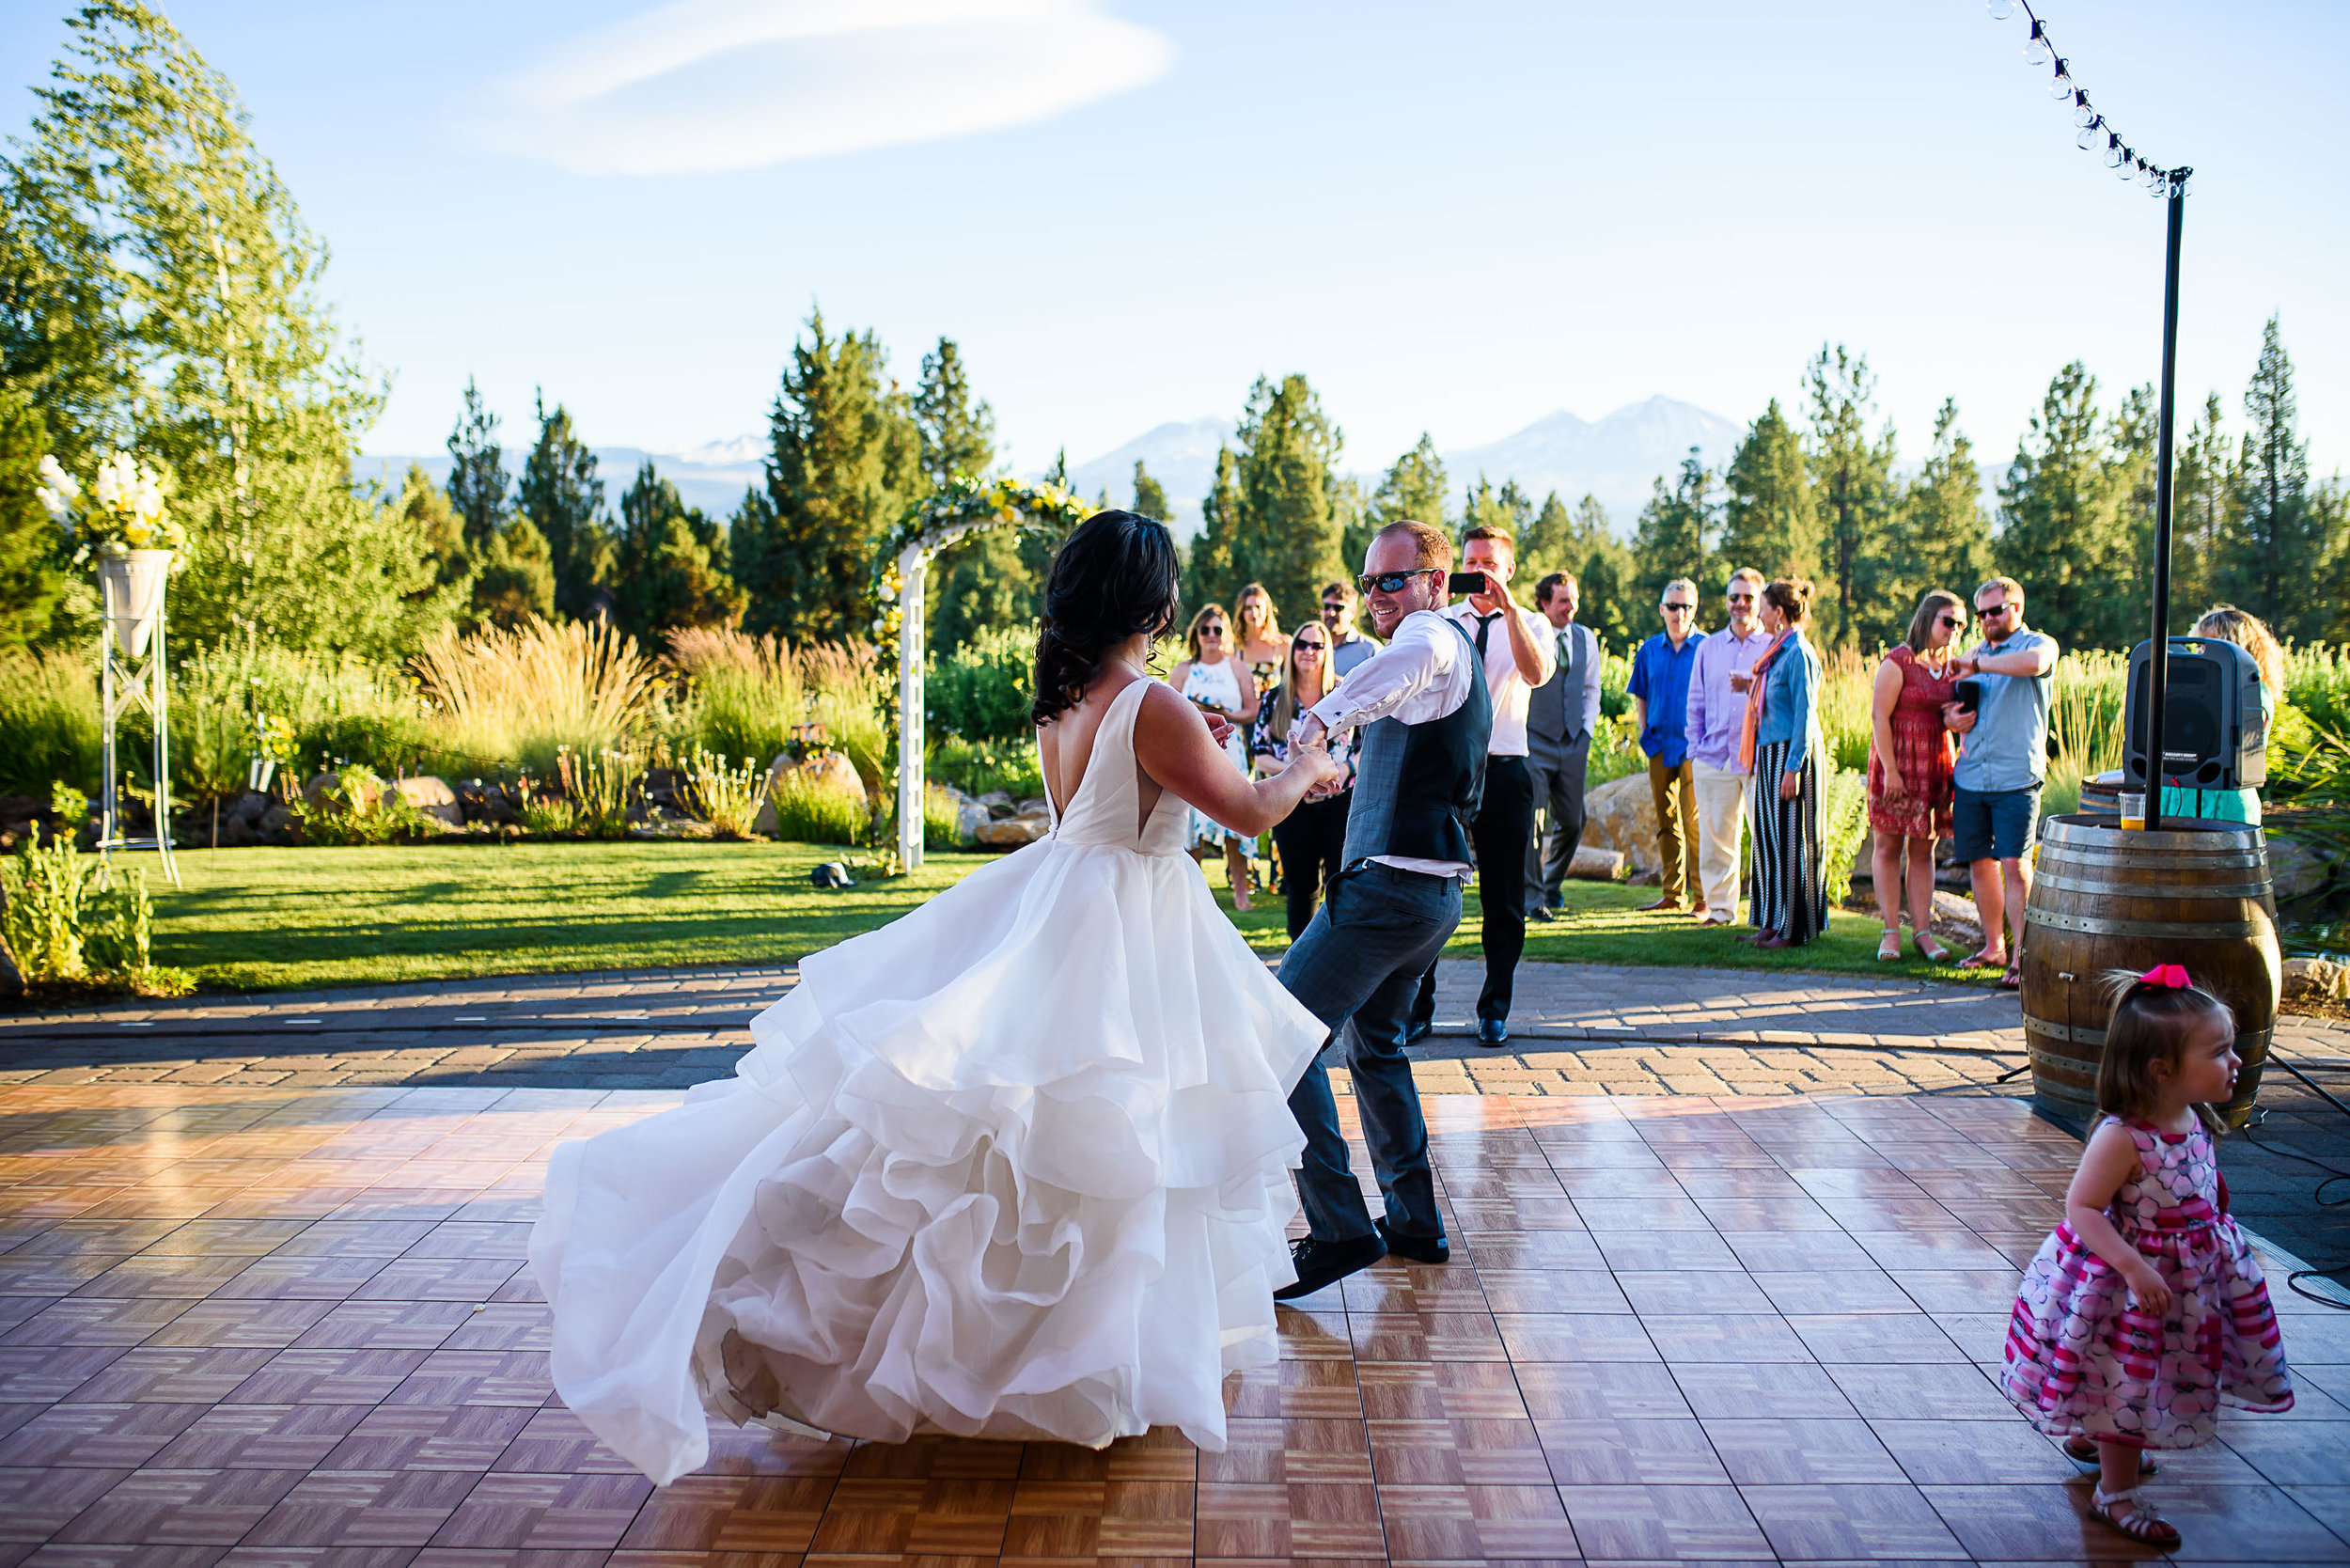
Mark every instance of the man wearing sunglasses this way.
pixel 1348 646
pixel 2000 768
pixel 1717 716
pixel 1425 717
pixel 1660 697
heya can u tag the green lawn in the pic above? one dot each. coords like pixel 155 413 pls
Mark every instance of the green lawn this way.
pixel 268 919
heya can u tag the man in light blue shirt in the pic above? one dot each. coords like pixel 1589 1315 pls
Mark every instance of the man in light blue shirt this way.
pixel 2001 767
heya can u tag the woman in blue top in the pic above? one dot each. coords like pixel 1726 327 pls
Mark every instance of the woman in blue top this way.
pixel 2241 627
pixel 1780 746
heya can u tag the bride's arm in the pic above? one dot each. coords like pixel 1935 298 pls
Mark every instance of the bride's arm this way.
pixel 1173 746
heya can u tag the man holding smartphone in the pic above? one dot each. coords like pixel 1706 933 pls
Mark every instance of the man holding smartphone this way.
pixel 1516 647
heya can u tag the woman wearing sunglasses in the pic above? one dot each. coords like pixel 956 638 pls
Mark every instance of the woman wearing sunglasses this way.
pixel 1311 838
pixel 1214 681
pixel 1909 768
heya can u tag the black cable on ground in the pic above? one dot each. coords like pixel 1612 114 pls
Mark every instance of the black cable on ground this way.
pixel 2317 1197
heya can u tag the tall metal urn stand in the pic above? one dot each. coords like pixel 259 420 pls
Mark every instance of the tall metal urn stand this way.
pixel 132 676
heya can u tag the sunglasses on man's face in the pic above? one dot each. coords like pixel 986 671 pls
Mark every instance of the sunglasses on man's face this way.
pixel 1985 612
pixel 1742 598
pixel 1334 606
pixel 1390 582
pixel 1671 608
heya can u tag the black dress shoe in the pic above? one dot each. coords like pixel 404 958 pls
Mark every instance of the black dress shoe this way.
pixel 1322 1263
pixel 1417 1249
pixel 1541 912
pixel 1418 1030
pixel 1492 1031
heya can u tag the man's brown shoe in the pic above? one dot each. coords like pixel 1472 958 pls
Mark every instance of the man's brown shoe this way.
pixel 1668 902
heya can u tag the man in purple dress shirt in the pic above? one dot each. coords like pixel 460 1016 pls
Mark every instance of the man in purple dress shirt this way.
pixel 1716 716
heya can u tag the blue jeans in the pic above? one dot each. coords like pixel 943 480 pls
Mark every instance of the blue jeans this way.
pixel 1356 968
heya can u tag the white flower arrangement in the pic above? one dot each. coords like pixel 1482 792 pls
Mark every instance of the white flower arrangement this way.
pixel 128 512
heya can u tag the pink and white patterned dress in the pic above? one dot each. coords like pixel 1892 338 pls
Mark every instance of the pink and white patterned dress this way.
pixel 2081 1358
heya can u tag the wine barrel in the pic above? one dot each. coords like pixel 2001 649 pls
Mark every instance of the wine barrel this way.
pixel 2192 892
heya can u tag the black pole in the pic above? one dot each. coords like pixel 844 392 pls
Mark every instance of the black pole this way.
pixel 2158 662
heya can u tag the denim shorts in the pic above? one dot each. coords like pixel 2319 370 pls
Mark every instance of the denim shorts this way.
pixel 1994 824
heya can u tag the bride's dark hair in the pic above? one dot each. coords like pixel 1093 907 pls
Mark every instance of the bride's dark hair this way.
pixel 1116 575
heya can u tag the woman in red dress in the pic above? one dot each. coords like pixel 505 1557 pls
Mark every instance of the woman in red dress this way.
pixel 1909 768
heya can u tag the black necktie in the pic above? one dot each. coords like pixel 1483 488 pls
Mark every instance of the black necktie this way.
pixel 1485 625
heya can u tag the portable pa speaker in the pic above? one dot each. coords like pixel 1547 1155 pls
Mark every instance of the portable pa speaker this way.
pixel 2214 733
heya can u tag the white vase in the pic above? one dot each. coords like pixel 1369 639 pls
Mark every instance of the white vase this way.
pixel 132 584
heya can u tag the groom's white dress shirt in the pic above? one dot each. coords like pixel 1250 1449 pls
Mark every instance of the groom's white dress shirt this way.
pixel 1422 675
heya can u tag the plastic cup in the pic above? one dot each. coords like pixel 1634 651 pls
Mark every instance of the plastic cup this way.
pixel 2132 810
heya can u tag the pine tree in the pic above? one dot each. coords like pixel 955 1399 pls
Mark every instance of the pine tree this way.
pixel 516 579
pixel 1852 481
pixel 2062 533
pixel 1214 571
pixel 958 435
pixel 670 564
pixel 981 580
pixel 1770 521
pixel 564 500
pixel 1604 575
pixel 2273 553
pixel 1289 536
pixel 844 464
pixel 1946 540
pixel 1675 536
pixel 2204 494
pixel 424 508
pixel 1509 507
pixel 30 582
pixel 1150 496
pixel 478 481
pixel 1544 545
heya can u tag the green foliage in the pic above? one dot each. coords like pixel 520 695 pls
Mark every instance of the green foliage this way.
pixel 599 784
pixel 550 817
pixel 355 806
pixel 844 465
pixel 563 500
pixel 980 768
pixel 726 796
pixel 69 921
pixel 1770 516
pixel 1945 539
pixel 2271 549
pixel 810 810
pixel 49 726
pixel 30 581
pixel 2064 536
pixel 957 435
pixel 744 694
pixel 1150 496
pixel 1214 571
pixel 1289 536
pixel 1411 489
pixel 983 690
pixel 1508 508
pixel 941 812
pixel 670 563
pixel 515 582
pixel 1853 479
pixel 1844 803
pixel 478 480
pixel 1676 535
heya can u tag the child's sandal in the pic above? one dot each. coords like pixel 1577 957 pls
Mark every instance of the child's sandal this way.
pixel 2122 1511
pixel 2083 1451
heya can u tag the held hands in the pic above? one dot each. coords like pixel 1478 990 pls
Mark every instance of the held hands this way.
pixel 1956 719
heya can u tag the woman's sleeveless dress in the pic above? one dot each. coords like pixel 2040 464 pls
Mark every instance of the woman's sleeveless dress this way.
pixel 1015 1165
pixel 1921 750
pixel 1219 684
pixel 2081 1360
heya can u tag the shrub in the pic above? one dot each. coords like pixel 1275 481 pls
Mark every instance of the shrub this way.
pixel 522 697
pixel 70 921
pixel 983 690
pixel 357 808
pixel 727 797
pixel 49 726
pixel 941 812
pixel 981 768
pixel 809 810
pixel 848 694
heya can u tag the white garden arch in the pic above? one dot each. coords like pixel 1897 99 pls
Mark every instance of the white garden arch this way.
pixel 959 508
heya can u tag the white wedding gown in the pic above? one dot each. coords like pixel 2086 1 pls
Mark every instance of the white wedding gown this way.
pixel 1013 1165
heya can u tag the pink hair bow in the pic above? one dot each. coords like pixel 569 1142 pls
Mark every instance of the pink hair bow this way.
pixel 2170 976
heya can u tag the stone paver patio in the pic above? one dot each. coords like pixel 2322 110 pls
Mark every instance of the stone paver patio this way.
pixel 274 1325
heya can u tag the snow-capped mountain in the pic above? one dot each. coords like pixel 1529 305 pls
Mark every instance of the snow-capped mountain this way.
pixel 1181 455
pixel 1616 458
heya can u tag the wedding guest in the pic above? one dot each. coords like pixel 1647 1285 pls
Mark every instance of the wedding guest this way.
pixel 1514 645
pixel 1213 680
pixel 1350 644
pixel 1995 782
pixel 1561 714
pixel 1782 753
pixel 1259 641
pixel 2229 624
pixel 1716 717
pixel 1909 768
pixel 1660 701
pixel 1311 836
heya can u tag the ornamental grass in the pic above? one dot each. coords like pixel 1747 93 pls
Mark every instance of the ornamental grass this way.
pixel 523 698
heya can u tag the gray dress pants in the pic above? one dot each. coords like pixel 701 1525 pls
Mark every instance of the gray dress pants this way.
pixel 1559 769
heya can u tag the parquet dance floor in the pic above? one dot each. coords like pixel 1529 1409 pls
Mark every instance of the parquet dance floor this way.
pixel 293 1327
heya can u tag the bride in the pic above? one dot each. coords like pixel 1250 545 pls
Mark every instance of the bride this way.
pixel 1013 1165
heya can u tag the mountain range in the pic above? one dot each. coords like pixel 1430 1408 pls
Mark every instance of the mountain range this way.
pixel 1616 458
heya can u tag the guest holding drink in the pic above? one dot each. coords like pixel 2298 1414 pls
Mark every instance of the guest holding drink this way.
pixel 1213 680
pixel 1311 836
pixel 1909 768
pixel 1780 751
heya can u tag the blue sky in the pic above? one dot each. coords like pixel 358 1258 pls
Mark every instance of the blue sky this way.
pixel 1452 218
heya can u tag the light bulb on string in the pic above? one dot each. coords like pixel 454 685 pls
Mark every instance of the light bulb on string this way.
pixel 2063 87
pixel 2000 10
pixel 2115 157
pixel 2036 50
pixel 2092 136
pixel 2122 170
pixel 2082 113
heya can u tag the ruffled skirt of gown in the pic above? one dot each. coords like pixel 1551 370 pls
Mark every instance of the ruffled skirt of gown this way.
pixel 1013 1165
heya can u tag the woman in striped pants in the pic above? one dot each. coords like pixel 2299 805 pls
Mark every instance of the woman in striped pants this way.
pixel 1786 809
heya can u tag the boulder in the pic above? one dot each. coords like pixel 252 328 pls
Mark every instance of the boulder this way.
pixel 831 769
pixel 486 802
pixel 1596 864
pixel 970 816
pixel 277 823
pixel 2296 869
pixel 1620 815
pixel 2315 979
pixel 431 796
pixel 1013 832
pixel 1036 808
pixel 998 803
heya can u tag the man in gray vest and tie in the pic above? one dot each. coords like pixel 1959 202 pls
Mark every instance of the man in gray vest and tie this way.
pixel 1561 714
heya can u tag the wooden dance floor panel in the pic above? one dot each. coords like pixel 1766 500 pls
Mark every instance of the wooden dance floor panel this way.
pixel 266 1328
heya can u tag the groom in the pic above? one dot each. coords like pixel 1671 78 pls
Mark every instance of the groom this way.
pixel 1421 706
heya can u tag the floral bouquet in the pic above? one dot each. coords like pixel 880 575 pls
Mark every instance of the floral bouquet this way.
pixel 127 514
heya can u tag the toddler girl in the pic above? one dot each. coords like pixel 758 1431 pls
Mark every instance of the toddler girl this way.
pixel 2145 1310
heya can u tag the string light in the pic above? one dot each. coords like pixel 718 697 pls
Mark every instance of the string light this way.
pixel 2094 134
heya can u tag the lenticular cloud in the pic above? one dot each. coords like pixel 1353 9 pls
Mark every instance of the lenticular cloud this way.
pixel 707 85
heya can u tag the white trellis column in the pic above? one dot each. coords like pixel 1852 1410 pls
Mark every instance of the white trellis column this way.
pixel 913 565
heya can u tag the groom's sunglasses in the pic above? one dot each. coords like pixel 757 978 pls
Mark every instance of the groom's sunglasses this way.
pixel 1390 582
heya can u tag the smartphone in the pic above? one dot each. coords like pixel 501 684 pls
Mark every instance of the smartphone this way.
pixel 1969 697
pixel 1465 582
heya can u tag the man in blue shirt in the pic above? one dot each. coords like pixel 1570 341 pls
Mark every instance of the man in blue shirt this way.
pixel 2001 766
pixel 1660 697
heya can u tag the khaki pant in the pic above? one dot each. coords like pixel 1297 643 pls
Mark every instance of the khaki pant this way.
pixel 1676 824
pixel 1722 810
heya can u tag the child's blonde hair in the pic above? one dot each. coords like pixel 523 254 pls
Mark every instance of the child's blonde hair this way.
pixel 2146 1028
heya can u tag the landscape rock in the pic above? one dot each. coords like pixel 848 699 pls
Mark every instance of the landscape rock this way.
pixel 1013 832
pixel 486 802
pixel 831 769
pixel 970 816
pixel 1036 808
pixel 432 798
pixel 1620 815
pixel 998 803
pixel 2315 979
pixel 277 822
pixel 2296 869
pixel 1596 864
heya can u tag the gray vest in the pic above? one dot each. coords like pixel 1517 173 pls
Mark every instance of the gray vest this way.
pixel 1417 786
pixel 1554 710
